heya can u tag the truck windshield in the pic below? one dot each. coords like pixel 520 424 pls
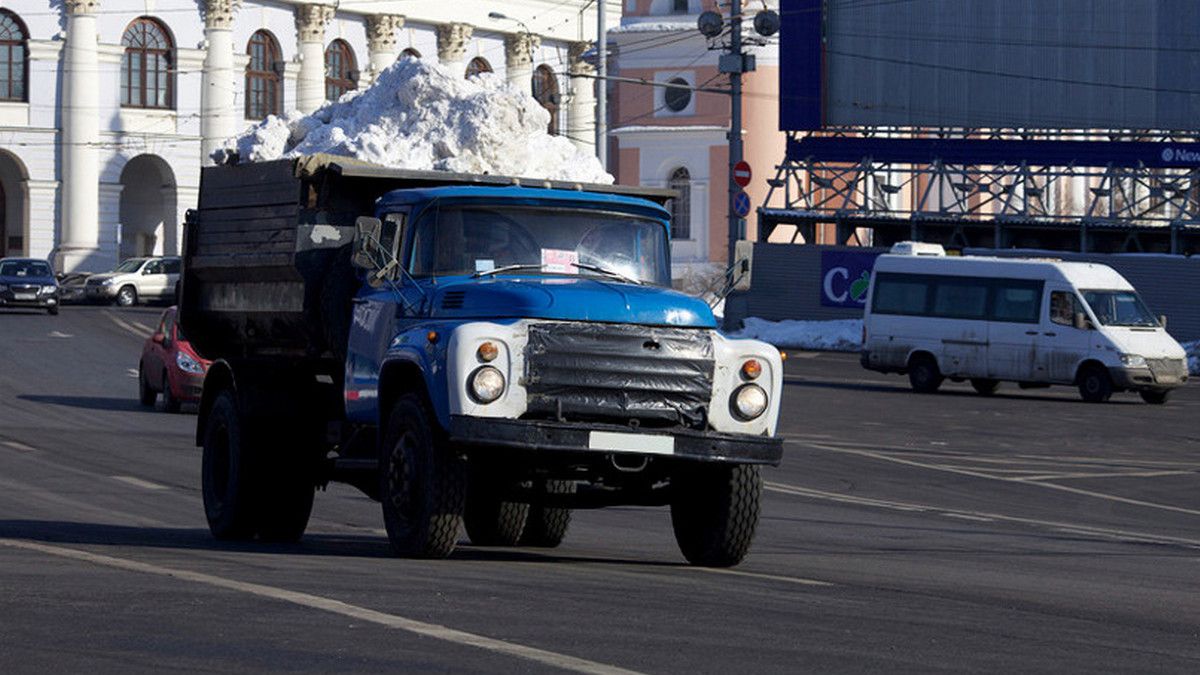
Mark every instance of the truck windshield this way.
pixel 464 240
pixel 1119 308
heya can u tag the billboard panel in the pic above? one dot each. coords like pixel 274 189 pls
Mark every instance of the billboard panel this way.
pixel 1034 64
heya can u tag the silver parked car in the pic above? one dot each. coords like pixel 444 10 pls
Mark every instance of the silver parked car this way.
pixel 136 280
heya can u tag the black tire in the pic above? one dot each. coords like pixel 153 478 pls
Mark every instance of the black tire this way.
pixel 170 403
pixel 146 395
pixel 423 486
pixel 546 526
pixel 127 296
pixel 489 520
pixel 714 512
pixel 228 473
pixel 923 374
pixel 1155 397
pixel 287 498
pixel 985 387
pixel 1095 386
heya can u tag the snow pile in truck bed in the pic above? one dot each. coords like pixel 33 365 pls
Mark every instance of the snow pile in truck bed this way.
pixel 420 115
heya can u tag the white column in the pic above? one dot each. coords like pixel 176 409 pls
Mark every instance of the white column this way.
pixel 581 113
pixel 452 39
pixel 218 114
pixel 518 58
pixel 80 134
pixel 310 26
pixel 381 41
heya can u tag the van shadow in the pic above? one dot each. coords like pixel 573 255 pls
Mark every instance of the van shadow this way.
pixel 1011 394
pixel 314 545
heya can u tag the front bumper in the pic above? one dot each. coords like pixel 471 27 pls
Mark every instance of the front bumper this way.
pixel 1147 378
pixel 38 301
pixel 548 436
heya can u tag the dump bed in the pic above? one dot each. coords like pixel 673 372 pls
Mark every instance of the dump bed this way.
pixel 266 259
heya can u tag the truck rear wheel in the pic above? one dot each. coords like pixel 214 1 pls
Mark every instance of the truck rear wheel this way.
pixel 227 473
pixel 287 499
pixel 714 511
pixel 423 487
pixel 546 526
pixel 489 519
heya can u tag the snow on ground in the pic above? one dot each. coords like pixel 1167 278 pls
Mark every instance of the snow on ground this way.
pixel 421 115
pixel 843 335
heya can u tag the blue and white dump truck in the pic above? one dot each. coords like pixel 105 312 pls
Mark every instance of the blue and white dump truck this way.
pixel 465 349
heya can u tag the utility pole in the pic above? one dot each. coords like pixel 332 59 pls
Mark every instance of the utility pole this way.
pixel 737 64
pixel 602 84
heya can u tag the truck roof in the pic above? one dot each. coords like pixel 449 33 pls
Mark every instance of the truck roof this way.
pixel 1078 274
pixel 511 194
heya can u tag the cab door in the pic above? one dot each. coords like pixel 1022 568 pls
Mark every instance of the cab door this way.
pixel 1061 347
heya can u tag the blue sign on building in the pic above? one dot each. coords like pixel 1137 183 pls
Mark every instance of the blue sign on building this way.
pixel 845 278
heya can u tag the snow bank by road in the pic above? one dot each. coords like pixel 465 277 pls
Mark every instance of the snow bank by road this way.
pixel 420 115
pixel 840 336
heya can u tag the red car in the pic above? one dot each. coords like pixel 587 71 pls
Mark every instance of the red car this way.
pixel 170 366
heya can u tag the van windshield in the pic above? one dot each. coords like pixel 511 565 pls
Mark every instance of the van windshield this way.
pixel 1119 308
pixel 469 239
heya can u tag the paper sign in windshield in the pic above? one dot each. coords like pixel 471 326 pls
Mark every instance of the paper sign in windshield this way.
pixel 560 261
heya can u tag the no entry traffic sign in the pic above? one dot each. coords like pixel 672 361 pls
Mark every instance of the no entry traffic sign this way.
pixel 741 173
pixel 741 204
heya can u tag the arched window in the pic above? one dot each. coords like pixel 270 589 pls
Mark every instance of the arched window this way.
pixel 341 71
pixel 146 65
pixel 264 86
pixel 478 65
pixel 545 90
pixel 409 52
pixel 681 206
pixel 12 57
pixel 679 6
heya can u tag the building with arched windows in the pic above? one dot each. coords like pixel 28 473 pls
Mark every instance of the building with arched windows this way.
pixel 108 108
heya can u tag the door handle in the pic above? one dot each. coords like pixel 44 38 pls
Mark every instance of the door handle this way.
pixel 1050 334
pixel 1031 332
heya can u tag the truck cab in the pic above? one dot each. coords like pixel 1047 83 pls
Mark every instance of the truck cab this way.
pixel 511 353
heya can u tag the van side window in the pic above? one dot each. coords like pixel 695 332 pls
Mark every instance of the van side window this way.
pixel 1017 301
pixel 1063 307
pixel 900 294
pixel 960 298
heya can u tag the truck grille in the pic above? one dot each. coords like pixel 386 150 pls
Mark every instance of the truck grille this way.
pixel 619 373
pixel 1168 370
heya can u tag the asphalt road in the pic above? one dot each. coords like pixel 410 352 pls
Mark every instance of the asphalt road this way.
pixel 1025 532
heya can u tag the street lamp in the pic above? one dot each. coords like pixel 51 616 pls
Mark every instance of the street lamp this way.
pixel 499 16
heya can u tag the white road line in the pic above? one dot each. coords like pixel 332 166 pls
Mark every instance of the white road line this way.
pixel 980 474
pixel 20 447
pixel 1111 533
pixel 136 329
pixel 422 628
pixel 758 575
pixel 967 516
pixel 59 334
pixel 138 482
pixel 1110 474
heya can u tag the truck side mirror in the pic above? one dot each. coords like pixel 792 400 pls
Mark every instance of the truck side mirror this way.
pixel 1081 321
pixel 366 242
pixel 1162 320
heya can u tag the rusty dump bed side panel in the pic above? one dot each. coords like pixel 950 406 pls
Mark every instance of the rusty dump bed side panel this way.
pixel 266 254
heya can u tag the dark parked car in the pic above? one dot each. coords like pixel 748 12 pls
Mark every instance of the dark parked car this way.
pixel 170 366
pixel 28 282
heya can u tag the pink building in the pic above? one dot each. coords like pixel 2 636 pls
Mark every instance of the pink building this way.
pixel 677 138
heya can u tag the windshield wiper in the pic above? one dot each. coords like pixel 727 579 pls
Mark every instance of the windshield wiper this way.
pixel 608 273
pixel 507 268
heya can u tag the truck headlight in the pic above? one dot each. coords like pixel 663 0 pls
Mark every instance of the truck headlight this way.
pixel 486 384
pixel 187 364
pixel 1133 360
pixel 749 401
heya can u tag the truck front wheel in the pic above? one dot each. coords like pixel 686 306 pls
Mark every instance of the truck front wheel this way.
pixel 546 526
pixel 227 473
pixel 714 511
pixel 423 487
pixel 489 519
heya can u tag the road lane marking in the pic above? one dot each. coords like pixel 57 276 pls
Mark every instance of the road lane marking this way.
pixel 967 516
pixel 980 474
pixel 136 329
pixel 1111 533
pixel 20 447
pixel 132 372
pixel 60 334
pixel 1111 474
pixel 138 482
pixel 432 630
pixel 759 575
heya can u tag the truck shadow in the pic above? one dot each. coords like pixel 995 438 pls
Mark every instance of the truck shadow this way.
pixel 317 545
pixel 119 403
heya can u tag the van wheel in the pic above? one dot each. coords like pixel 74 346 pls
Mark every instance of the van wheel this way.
pixel 985 387
pixel 1155 397
pixel 127 296
pixel 1094 384
pixel 923 374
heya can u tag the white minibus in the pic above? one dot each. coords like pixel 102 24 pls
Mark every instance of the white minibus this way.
pixel 1034 322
